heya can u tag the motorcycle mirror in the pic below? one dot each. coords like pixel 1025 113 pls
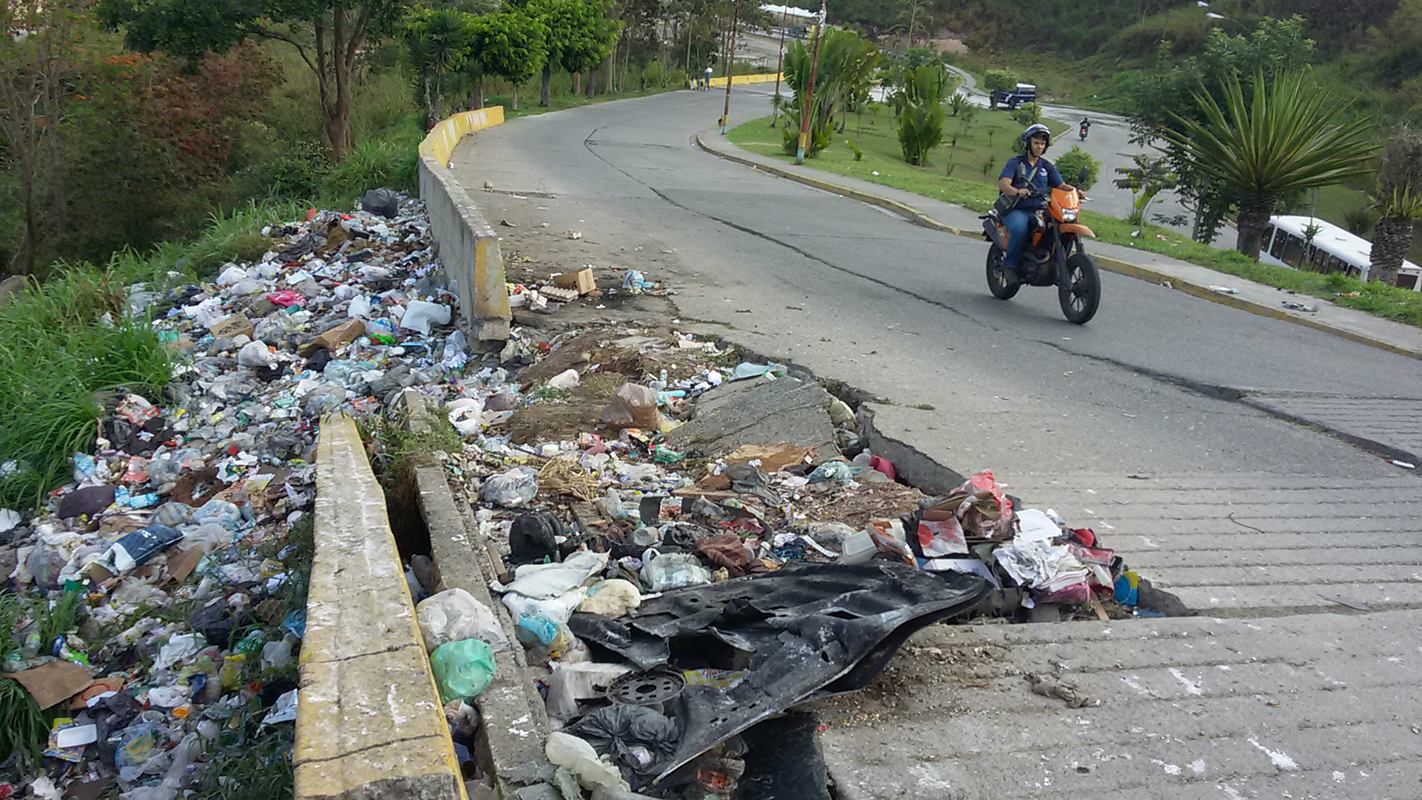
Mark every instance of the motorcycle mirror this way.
pixel 1081 177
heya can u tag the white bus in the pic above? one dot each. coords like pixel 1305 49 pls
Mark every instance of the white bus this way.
pixel 1332 250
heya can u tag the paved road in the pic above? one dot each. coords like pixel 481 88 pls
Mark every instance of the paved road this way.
pixel 1132 424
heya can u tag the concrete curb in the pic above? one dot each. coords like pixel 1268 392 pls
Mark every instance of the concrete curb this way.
pixel 1110 264
pixel 369 723
pixel 515 720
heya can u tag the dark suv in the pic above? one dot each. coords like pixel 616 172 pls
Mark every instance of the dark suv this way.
pixel 1011 99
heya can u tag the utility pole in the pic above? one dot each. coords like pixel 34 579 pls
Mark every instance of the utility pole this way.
pixel 780 64
pixel 731 66
pixel 810 90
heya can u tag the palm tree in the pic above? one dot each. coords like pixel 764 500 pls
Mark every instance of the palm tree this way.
pixel 1286 138
pixel 846 70
pixel 437 44
pixel 1398 200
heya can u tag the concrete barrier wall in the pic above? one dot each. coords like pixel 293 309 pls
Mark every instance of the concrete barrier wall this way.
pixel 742 80
pixel 467 245
pixel 369 723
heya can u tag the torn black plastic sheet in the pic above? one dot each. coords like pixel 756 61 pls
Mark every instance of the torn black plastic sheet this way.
pixel 799 634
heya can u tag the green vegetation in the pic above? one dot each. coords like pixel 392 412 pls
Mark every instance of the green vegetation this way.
pixel 1398 201
pixel 1287 138
pixel 921 124
pixel 842 81
pixel 1072 162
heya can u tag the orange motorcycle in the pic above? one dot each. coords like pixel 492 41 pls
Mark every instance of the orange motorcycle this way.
pixel 1054 254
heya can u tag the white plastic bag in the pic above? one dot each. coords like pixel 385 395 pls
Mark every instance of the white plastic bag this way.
pixel 360 307
pixel 511 489
pixel 232 274
pixel 568 751
pixel 612 598
pixel 558 608
pixel 419 314
pixel 567 379
pixel 673 571
pixel 255 355
pixel 551 580
pixel 455 615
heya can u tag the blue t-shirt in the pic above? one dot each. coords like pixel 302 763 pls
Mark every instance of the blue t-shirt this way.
pixel 1046 177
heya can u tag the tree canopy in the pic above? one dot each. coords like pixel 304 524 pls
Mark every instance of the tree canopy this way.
pixel 328 35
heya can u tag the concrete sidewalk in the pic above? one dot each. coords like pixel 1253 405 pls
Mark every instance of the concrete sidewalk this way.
pixel 1190 278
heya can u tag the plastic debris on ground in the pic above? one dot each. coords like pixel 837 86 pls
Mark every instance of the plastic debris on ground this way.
pixel 160 596
pixel 607 532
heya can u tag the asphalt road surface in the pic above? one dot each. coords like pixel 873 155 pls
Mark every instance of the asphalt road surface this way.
pixel 1130 424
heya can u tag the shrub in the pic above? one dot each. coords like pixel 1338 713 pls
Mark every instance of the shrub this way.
pixel 1000 80
pixel 1028 114
pixel 389 162
pixel 1071 163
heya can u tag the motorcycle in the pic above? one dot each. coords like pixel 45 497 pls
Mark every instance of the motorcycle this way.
pixel 1082 132
pixel 1054 254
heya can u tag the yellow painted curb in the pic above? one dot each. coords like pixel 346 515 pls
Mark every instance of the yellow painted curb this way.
pixel 368 722
pixel 1109 264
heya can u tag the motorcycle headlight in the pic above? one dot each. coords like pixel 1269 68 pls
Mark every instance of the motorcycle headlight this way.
pixel 1069 215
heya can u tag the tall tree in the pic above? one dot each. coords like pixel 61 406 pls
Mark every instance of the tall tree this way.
pixel 1158 98
pixel 1287 137
pixel 38 49
pixel 1398 200
pixel 579 36
pixel 511 44
pixel 327 34
pixel 437 42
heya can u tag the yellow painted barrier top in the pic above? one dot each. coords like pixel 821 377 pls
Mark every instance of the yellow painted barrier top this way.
pixel 742 80
pixel 444 136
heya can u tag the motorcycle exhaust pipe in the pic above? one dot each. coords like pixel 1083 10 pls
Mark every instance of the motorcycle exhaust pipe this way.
pixel 990 230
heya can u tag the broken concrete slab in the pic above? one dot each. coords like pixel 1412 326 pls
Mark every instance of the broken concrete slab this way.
pixel 911 465
pixel 785 410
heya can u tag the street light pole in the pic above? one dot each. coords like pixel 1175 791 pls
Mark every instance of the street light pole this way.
pixel 810 91
pixel 731 67
pixel 780 64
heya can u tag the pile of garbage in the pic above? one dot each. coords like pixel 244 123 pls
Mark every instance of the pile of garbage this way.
pixel 672 591
pixel 159 598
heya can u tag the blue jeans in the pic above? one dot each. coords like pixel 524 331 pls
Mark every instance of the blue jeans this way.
pixel 1016 223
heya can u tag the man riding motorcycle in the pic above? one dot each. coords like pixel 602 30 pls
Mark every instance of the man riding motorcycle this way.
pixel 1084 126
pixel 1041 176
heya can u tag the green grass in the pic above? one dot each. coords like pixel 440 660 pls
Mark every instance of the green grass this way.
pixel 982 148
pixel 66 343
pixel 1058 78
pixel 975 190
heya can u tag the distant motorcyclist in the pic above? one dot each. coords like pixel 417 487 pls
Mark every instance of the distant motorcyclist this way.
pixel 1085 127
pixel 1041 176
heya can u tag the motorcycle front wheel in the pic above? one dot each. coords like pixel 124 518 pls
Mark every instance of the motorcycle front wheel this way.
pixel 1080 289
pixel 1002 282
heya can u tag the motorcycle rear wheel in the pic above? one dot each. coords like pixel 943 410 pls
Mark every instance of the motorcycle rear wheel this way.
pixel 1080 290
pixel 1002 282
